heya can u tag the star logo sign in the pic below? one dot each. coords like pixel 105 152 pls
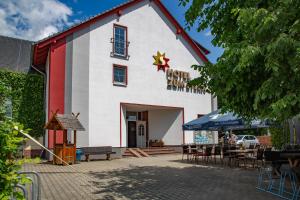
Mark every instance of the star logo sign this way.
pixel 161 61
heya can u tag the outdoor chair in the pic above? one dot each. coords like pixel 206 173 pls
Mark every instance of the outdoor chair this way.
pixel 208 153
pixel 252 146
pixel 225 155
pixel 193 152
pixel 186 151
pixel 200 153
pixel 240 158
pixel 259 156
pixel 232 156
pixel 217 152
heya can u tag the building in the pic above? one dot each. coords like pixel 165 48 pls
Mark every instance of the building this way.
pixel 126 72
pixel 15 54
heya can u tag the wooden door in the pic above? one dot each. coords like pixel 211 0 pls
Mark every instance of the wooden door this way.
pixel 131 132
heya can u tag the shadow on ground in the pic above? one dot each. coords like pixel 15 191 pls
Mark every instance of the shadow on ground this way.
pixel 159 183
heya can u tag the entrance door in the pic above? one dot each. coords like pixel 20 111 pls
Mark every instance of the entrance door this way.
pixel 131 133
pixel 141 134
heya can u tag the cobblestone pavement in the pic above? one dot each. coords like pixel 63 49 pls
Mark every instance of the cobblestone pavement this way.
pixel 153 178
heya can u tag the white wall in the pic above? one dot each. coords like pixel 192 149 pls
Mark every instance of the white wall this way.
pixel 80 81
pixel 166 125
pixel 148 32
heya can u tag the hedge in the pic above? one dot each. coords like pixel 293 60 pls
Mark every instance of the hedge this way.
pixel 26 92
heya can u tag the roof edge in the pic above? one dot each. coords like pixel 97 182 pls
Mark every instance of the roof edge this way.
pixel 45 43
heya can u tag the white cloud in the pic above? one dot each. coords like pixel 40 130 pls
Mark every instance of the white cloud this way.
pixel 34 19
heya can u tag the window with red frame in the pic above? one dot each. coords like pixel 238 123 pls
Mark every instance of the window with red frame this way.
pixel 119 75
pixel 120 41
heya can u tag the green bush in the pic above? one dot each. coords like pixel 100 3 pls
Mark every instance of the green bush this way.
pixel 26 92
pixel 10 140
pixel 280 136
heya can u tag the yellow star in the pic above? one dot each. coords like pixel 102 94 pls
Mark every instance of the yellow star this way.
pixel 158 58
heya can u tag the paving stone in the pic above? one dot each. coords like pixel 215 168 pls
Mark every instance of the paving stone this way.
pixel 151 178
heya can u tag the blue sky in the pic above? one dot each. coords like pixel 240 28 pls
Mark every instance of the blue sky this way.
pixel 36 19
pixel 82 9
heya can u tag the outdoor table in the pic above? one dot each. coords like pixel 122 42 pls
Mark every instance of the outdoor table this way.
pixel 234 153
pixel 292 157
pixel 241 150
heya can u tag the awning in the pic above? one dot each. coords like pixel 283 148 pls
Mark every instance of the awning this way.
pixel 216 121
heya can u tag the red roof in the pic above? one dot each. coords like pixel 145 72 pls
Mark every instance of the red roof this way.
pixel 41 48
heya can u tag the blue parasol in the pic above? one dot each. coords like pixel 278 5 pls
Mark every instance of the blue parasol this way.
pixel 216 120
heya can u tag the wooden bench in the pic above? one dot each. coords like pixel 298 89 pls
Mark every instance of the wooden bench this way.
pixel 87 151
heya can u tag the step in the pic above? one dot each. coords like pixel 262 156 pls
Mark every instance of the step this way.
pixel 135 153
pixel 146 152
pixel 151 150
pixel 143 153
pixel 159 153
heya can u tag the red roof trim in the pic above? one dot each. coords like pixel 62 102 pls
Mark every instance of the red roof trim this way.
pixel 177 26
pixel 53 39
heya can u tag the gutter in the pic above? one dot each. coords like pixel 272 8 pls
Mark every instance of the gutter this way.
pixel 45 84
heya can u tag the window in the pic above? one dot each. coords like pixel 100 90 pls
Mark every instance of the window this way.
pixel 141 130
pixel 119 75
pixel 8 107
pixel 199 115
pixel 251 137
pixel 120 41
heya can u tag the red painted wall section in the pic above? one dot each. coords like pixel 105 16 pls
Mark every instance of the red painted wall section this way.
pixel 56 84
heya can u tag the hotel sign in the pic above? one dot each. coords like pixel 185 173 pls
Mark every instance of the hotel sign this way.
pixel 178 80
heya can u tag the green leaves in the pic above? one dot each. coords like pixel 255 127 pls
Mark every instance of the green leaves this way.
pixel 10 140
pixel 26 92
pixel 258 74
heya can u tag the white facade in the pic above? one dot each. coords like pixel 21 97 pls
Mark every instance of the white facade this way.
pixel 102 105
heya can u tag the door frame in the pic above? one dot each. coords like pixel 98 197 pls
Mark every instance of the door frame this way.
pixel 151 105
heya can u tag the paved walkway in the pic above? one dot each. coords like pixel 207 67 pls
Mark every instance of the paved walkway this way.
pixel 153 178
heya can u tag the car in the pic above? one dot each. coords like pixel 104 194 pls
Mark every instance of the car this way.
pixel 246 140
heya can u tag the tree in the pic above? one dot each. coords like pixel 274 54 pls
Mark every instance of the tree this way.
pixel 258 74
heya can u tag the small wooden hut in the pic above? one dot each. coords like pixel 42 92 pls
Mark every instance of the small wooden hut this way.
pixel 69 124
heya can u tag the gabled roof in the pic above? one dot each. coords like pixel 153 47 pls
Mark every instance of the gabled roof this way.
pixel 41 48
pixel 64 122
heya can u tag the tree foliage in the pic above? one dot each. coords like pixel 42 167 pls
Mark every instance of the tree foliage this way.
pixel 10 140
pixel 258 74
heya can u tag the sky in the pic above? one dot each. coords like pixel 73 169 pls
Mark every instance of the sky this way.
pixel 36 19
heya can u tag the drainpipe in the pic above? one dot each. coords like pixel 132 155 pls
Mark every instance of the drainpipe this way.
pixel 45 83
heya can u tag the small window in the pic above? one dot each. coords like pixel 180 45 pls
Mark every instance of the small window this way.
pixel 120 75
pixel 141 130
pixel 120 41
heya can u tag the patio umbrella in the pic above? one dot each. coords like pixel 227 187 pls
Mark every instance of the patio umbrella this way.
pixel 216 121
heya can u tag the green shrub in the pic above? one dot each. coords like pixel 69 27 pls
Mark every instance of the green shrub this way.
pixel 10 140
pixel 26 92
pixel 280 136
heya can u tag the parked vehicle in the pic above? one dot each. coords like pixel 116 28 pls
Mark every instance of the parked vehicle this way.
pixel 246 140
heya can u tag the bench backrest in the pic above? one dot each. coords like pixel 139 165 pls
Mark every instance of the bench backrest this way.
pixel 96 150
